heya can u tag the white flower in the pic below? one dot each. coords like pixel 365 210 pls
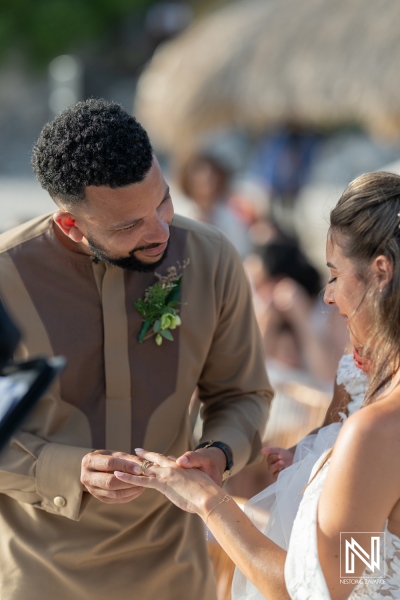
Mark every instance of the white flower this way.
pixel 170 321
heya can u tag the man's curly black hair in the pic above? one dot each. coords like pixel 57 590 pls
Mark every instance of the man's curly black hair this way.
pixel 94 142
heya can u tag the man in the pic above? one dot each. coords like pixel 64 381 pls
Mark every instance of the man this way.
pixel 72 281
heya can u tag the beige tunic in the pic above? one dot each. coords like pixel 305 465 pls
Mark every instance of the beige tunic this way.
pixel 57 542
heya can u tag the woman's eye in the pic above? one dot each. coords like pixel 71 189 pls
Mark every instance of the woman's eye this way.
pixel 332 280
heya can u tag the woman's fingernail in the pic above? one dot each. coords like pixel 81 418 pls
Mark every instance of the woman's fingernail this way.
pixel 183 460
pixel 118 473
pixel 138 449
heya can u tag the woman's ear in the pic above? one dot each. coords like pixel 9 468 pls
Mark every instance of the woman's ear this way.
pixel 67 223
pixel 383 269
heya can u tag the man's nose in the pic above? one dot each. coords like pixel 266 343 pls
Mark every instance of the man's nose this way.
pixel 158 230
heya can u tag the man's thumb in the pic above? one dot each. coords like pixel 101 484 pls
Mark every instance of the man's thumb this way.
pixel 187 460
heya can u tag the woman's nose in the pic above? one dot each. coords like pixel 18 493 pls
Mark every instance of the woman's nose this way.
pixel 328 296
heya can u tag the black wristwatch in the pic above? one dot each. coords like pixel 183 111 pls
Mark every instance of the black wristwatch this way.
pixel 226 450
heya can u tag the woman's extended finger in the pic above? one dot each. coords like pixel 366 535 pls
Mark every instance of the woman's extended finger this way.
pixel 134 479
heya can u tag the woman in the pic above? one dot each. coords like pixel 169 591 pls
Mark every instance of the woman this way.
pixel 356 486
pixel 205 180
pixel 289 312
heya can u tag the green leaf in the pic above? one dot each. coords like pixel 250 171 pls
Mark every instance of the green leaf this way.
pixel 167 335
pixel 145 327
pixel 157 326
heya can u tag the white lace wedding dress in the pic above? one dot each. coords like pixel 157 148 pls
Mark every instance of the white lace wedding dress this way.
pixel 274 509
pixel 303 574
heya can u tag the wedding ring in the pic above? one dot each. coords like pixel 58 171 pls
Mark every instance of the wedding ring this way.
pixel 144 466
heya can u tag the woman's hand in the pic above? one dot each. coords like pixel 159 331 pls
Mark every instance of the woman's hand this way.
pixel 192 490
pixel 277 459
pixel 189 489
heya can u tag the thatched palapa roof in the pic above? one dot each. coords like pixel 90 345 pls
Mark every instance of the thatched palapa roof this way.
pixel 256 63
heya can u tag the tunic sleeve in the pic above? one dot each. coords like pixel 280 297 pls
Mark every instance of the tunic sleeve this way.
pixel 45 475
pixel 234 386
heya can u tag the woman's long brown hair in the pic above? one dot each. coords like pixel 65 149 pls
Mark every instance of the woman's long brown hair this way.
pixel 365 223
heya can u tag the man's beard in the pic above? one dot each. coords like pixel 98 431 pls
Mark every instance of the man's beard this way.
pixel 131 263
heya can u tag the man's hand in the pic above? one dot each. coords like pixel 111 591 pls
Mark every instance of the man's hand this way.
pixel 211 461
pixel 97 475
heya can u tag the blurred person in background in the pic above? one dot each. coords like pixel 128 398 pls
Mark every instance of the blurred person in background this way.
pixel 73 280
pixel 282 162
pixel 206 182
pixel 291 317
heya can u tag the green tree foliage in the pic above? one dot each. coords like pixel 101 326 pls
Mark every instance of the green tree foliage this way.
pixel 46 28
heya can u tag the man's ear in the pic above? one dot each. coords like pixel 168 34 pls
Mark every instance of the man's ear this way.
pixel 67 223
pixel 383 268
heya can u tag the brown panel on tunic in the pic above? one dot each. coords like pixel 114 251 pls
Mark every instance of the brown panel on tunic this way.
pixel 154 368
pixel 68 303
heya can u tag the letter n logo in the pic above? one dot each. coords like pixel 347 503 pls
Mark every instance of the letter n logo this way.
pixel 367 549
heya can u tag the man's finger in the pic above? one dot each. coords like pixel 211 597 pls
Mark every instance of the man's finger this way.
pixel 103 481
pixel 122 497
pixel 108 463
pixel 189 460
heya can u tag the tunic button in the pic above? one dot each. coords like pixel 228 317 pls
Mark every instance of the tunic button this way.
pixel 59 501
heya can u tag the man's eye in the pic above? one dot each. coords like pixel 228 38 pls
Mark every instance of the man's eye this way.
pixel 128 228
pixel 332 280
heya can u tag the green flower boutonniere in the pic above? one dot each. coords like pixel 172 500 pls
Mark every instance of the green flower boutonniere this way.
pixel 158 308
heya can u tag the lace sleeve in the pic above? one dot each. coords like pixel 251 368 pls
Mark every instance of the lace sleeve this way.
pixel 354 381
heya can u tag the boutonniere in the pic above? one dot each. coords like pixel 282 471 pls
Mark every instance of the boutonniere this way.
pixel 158 307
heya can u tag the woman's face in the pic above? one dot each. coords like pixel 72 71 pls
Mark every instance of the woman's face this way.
pixel 203 184
pixel 346 291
